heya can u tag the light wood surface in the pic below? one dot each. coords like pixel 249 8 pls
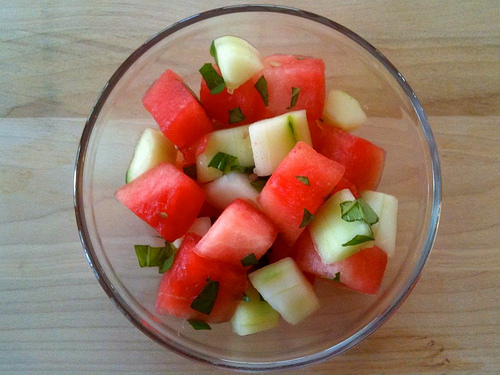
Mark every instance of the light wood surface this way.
pixel 55 56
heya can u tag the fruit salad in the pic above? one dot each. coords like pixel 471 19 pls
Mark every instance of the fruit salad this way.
pixel 258 187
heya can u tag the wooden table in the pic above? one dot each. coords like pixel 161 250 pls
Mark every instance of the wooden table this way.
pixel 54 59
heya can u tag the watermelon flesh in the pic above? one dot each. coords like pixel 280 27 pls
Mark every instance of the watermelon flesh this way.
pixel 239 231
pixel 165 198
pixel 285 196
pixel 177 111
pixel 182 283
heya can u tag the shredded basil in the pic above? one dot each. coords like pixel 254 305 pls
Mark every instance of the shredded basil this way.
pixel 358 210
pixel 245 298
pixel 306 219
pixel 161 257
pixel 205 301
pixel 199 325
pixel 249 260
pixel 359 238
pixel 227 163
pixel 303 179
pixel 236 115
pixel 295 97
pixel 259 183
pixel 261 86
pixel 213 52
pixel 214 80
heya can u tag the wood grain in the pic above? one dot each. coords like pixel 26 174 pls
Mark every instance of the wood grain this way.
pixel 54 59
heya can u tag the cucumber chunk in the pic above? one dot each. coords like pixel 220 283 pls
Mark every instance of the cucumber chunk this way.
pixel 386 208
pixel 329 231
pixel 286 289
pixel 200 227
pixel 151 149
pixel 254 316
pixel 223 190
pixel 237 59
pixel 343 111
pixel 272 139
pixel 234 141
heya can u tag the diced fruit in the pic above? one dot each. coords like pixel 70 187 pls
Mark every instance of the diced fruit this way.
pixel 165 198
pixel 363 160
pixel 286 289
pixel 200 227
pixel 283 73
pixel 237 59
pixel 151 149
pixel 301 182
pixel 246 97
pixel 330 232
pixel 272 139
pixel 239 231
pixel 186 279
pixel 224 190
pixel 343 111
pixel 344 183
pixel 208 210
pixel 177 111
pixel 254 315
pixel 234 142
pixel 386 208
pixel 361 272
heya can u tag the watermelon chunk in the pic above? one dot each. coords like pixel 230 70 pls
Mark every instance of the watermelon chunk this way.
pixel 181 284
pixel 363 160
pixel 239 231
pixel 302 181
pixel 246 97
pixel 284 72
pixel 165 198
pixel 361 272
pixel 177 111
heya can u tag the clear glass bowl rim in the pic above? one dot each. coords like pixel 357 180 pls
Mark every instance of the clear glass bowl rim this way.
pixel 220 362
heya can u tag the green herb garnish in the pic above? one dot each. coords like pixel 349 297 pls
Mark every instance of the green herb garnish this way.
pixel 295 97
pixel 245 298
pixel 306 219
pixel 249 260
pixel 303 179
pixel 161 257
pixel 227 163
pixel 292 129
pixel 259 183
pixel 214 80
pixel 358 210
pixel 235 115
pixel 205 301
pixel 213 52
pixel 359 238
pixel 261 86
pixel 199 325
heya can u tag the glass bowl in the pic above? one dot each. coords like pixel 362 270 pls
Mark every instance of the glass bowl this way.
pixel 397 123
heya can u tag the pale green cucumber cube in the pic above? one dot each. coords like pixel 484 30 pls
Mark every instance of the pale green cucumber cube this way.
pixel 224 190
pixel 343 111
pixel 329 231
pixel 386 208
pixel 286 289
pixel 272 139
pixel 234 141
pixel 237 59
pixel 153 148
pixel 200 227
pixel 254 316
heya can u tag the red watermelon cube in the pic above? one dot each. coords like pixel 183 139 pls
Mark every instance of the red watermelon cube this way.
pixel 301 182
pixel 239 231
pixel 285 72
pixel 177 111
pixel 165 198
pixel 362 272
pixel 189 274
pixel 363 160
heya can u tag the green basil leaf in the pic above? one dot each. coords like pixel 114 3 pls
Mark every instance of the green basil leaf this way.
pixel 205 301
pixel 227 163
pixel 306 219
pixel 303 179
pixel 161 257
pixel 259 183
pixel 261 86
pixel 213 52
pixel 368 213
pixel 214 80
pixel 245 298
pixel 358 210
pixel 249 260
pixel 199 325
pixel 295 97
pixel 235 115
pixel 359 238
